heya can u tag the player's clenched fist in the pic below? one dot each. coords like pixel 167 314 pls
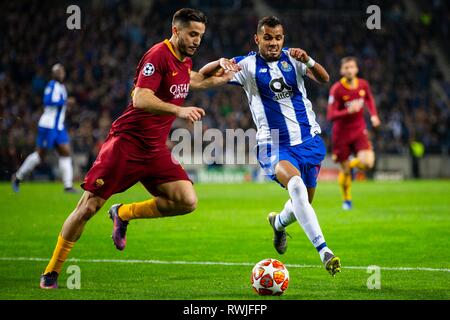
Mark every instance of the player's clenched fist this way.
pixel 299 54
pixel 375 121
pixel 190 113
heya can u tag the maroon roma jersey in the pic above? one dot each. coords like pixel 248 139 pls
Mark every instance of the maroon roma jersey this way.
pixel 342 97
pixel 161 71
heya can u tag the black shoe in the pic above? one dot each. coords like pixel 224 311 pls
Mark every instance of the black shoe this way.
pixel 71 190
pixel 279 237
pixel 49 280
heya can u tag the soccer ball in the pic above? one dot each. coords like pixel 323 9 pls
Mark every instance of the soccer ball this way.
pixel 269 278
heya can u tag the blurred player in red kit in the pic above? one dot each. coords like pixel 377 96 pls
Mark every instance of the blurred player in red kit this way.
pixel 135 149
pixel 349 134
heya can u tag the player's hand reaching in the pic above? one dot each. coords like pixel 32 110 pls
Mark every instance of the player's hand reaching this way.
pixel 315 71
pixel 299 54
pixel 229 65
pixel 190 113
pixel 227 69
pixel 375 121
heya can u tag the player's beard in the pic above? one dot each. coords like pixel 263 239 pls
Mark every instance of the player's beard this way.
pixel 272 58
pixel 269 57
pixel 183 48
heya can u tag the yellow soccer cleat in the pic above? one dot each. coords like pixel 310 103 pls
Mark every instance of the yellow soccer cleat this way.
pixel 332 263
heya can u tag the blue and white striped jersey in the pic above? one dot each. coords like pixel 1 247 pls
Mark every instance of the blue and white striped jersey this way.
pixel 277 98
pixel 55 97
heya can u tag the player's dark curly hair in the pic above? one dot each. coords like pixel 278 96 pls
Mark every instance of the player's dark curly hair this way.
pixel 270 21
pixel 186 15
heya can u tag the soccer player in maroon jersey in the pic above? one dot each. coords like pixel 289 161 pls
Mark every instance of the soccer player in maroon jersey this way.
pixel 135 149
pixel 349 134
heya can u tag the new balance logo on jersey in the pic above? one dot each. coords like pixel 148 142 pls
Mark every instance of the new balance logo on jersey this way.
pixel 281 89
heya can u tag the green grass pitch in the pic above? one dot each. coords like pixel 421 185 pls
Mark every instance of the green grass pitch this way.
pixel 394 225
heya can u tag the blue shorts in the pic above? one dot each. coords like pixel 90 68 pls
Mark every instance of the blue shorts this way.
pixel 49 138
pixel 306 157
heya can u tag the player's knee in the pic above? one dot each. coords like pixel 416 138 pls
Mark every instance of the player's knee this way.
pixel 87 210
pixel 297 188
pixel 189 203
pixel 371 162
pixel 368 162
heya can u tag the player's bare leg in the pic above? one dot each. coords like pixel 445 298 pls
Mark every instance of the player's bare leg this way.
pixel 311 192
pixel 86 208
pixel 72 229
pixel 178 198
pixel 65 165
pixel 288 175
pixel 365 159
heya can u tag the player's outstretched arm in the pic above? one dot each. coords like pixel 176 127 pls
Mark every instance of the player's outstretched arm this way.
pixel 146 100
pixel 214 74
pixel 315 70
pixel 370 102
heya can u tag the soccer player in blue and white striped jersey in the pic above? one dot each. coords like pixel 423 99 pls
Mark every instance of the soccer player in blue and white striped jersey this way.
pixel 290 149
pixel 51 133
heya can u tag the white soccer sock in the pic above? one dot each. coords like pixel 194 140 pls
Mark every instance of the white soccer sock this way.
pixel 286 216
pixel 65 165
pixel 28 165
pixel 305 214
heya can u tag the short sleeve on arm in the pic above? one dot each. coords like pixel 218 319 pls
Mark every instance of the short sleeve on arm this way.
pixel 303 68
pixel 300 66
pixel 239 77
pixel 151 71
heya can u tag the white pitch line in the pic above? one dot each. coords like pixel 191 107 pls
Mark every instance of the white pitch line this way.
pixel 218 263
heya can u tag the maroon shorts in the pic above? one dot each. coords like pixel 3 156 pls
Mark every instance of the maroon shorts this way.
pixel 121 163
pixel 344 147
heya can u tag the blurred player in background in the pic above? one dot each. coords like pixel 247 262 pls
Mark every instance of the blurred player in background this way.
pixel 51 133
pixel 135 149
pixel 290 149
pixel 349 134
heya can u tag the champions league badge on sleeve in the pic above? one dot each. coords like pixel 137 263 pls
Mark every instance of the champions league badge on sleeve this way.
pixel 148 70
